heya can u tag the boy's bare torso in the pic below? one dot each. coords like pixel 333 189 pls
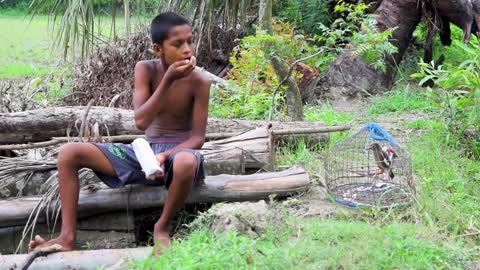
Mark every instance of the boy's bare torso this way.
pixel 175 117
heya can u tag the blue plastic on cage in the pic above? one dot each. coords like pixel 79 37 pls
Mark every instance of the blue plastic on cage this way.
pixel 378 134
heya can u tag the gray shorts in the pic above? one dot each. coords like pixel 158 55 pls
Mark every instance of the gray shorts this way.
pixel 128 169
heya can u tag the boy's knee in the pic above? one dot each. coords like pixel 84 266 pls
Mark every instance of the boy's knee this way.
pixel 68 153
pixel 184 162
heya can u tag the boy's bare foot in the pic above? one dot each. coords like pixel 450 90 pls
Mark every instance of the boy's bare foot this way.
pixel 39 242
pixel 161 240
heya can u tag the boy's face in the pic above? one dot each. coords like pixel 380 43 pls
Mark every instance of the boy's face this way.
pixel 178 46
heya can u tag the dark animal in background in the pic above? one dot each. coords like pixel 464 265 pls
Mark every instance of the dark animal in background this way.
pixel 463 13
pixel 383 157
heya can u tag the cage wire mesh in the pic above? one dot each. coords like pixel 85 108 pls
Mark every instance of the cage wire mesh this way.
pixel 369 169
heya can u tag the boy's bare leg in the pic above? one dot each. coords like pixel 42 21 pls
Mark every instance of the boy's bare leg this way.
pixel 184 167
pixel 71 158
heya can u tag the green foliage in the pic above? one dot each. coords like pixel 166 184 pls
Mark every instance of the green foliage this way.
pixel 296 152
pixel 327 114
pixel 315 244
pixel 238 102
pixel 457 91
pixel 24 43
pixel 355 26
pixel 305 14
pixel 374 46
pixel 339 33
pixel 252 78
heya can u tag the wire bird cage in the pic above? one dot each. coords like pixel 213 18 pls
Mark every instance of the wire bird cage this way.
pixel 369 169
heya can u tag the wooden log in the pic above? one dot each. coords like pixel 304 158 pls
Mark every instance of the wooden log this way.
pixel 88 259
pixel 256 144
pixel 97 199
pixel 44 124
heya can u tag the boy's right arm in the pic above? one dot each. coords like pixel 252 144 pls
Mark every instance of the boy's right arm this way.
pixel 146 106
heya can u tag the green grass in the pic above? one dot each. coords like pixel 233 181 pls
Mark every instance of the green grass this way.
pixel 315 244
pixel 404 99
pixel 448 182
pixel 326 114
pixel 420 124
pixel 25 47
pixel 13 71
pixel 331 117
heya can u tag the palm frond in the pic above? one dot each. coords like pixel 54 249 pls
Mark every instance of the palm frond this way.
pixel 74 24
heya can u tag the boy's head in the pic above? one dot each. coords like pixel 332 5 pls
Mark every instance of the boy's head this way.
pixel 172 38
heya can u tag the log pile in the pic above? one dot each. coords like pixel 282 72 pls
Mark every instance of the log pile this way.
pixel 248 152
pixel 239 161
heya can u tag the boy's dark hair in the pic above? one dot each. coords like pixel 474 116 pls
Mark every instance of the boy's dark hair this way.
pixel 163 23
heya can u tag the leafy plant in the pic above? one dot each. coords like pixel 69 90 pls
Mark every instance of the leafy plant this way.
pixel 458 91
pixel 304 14
pixel 339 33
pixel 457 95
pixel 372 45
pixel 357 27
pixel 252 78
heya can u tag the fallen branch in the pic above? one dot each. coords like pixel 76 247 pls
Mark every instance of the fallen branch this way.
pixel 469 234
pixel 213 79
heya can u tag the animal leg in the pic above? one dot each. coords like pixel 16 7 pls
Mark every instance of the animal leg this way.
pixel 477 20
pixel 445 33
pixel 428 54
pixel 467 32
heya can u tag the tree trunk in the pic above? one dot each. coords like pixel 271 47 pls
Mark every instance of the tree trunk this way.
pixel 292 95
pixel 126 4
pixel 43 124
pixel 97 199
pixel 350 75
pixel 265 15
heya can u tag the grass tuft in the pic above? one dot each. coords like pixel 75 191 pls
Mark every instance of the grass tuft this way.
pixel 401 100
pixel 315 244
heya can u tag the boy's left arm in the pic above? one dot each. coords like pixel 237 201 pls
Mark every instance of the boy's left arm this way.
pixel 199 120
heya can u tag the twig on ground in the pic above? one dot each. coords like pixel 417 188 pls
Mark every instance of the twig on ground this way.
pixel 39 253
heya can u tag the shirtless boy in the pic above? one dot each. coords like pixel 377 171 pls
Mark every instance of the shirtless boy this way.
pixel 171 105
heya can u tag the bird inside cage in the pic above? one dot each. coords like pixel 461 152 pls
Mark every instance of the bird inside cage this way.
pixel 384 157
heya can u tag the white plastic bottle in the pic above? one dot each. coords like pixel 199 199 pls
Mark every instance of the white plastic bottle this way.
pixel 146 158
